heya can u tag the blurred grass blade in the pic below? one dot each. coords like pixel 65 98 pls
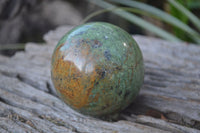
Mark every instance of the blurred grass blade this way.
pixel 130 9
pixel 12 47
pixel 95 14
pixel 161 15
pixel 138 21
pixel 189 14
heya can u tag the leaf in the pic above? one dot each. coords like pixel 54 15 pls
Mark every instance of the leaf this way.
pixel 159 14
pixel 189 14
pixel 138 21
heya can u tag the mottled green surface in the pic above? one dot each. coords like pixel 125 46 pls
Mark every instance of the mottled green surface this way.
pixel 97 69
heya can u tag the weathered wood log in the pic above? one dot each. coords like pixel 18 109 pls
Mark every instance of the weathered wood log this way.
pixel 169 100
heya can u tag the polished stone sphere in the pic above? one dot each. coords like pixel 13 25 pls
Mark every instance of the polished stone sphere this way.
pixel 97 69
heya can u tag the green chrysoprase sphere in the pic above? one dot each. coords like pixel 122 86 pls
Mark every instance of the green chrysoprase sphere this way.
pixel 97 69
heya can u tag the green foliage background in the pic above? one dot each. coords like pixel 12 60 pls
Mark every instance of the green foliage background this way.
pixel 184 25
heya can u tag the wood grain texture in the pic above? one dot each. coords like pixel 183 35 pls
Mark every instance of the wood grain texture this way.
pixel 169 100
